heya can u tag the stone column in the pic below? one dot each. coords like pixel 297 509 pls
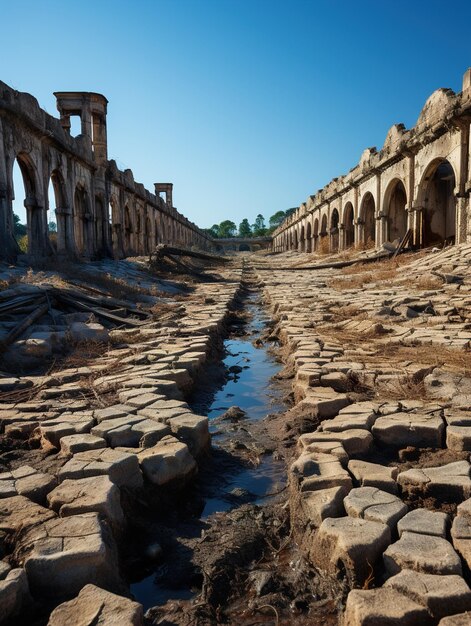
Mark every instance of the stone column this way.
pixel 342 235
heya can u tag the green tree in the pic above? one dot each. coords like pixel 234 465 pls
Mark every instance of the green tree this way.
pixel 289 212
pixel 213 231
pixel 52 227
pixel 277 219
pixel 19 229
pixel 245 230
pixel 227 229
pixel 259 228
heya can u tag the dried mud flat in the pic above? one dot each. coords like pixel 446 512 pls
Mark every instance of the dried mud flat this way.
pixel 106 464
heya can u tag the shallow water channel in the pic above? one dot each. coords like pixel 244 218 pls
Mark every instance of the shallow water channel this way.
pixel 245 380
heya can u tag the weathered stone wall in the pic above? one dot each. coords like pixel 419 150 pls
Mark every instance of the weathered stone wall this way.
pixel 243 244
pixel 100 210
pixel 420 179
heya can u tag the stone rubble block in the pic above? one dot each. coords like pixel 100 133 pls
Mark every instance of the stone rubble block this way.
pixel 440 595
pixel 62 555
pixel 374 475
pixel 325 402
pixel 167 463
pixel 422 553
pixel 356 441
pixel 319 505
pixel 383 607
pixel 375 505
pixel 113 412
pixel 94 605
pixel 458 438
pixel 315 470
pixel 14 595
pixel 347 421
pixel 452 482
pixel 349 544
pixel 122 468
pixel 28 482
pixel 461 536
pixel 325 447
pixel 96 494
pixel 420 430
pixel 193 430
pixel 424 522
pixel 52 431
pixel 130 431
pixel 463 619
pixel 71 444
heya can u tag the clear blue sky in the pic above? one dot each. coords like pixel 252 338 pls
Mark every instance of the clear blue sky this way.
pixel 247 106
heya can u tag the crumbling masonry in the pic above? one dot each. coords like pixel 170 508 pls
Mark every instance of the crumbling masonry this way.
pixel 420 180
pixel 100 210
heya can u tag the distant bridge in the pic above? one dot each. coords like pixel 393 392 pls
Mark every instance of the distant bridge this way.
pixel 242 244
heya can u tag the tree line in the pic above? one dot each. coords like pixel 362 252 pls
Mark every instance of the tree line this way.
pixel 227 228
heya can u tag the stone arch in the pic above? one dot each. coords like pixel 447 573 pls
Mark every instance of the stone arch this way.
pixel 295 239
pixel 64 220
pixel 334 231
pixel 35 215
pixel 308 237
pixel 438 201
pixel 348 216
pixel 82 221
pixel 395 201
pixel 367 217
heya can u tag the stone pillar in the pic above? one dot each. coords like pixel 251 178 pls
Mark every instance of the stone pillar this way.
pixel 415 223
pixel 100 140
pixel 381 229
pixel 342 235
pixel 64 236
pixel 359 231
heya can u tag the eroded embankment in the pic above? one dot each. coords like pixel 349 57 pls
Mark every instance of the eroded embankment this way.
pixel 244 553
pixel 380 488
pixel 102 433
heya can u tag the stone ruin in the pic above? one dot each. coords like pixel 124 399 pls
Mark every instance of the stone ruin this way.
pixel 419 180
pixel 100 210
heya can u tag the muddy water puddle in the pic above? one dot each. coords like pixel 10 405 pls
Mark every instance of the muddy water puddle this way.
pixel 242 467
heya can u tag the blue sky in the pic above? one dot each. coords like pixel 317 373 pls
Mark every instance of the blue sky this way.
pixel 247 106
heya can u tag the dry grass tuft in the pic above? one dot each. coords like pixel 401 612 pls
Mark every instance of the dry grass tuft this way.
pixel 323 247
pixel 404 388
pixel 82 353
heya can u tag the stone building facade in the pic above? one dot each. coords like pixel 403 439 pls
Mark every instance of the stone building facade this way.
pixel 99 210
pixel 419 180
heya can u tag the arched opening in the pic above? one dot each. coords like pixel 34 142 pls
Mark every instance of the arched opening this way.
pixel 59 219
pixel 244 247
pixel 315 233
pixel 367 215
pixel 308 237
pixel 302 239
pixel 295 239
pixel 348 224
pixel 334 231
pixel 82 222
pixel 395 205
pixel 439 212
pixel 30 223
